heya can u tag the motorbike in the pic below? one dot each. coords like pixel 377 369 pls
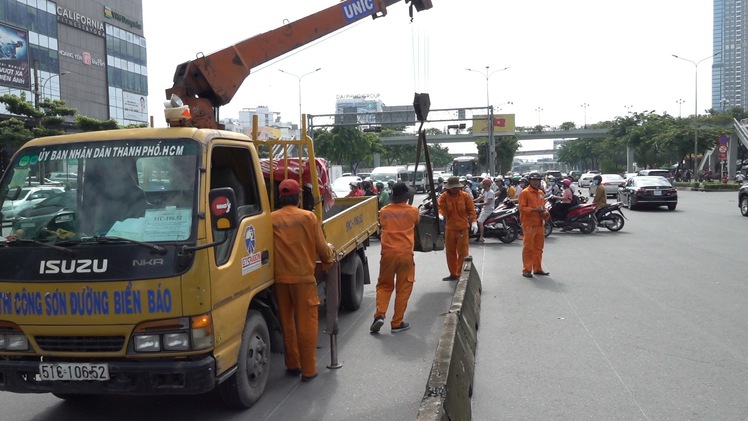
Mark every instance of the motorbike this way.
pixel 514 219
pixel 580 217
pixel 610 217
pixel 503 223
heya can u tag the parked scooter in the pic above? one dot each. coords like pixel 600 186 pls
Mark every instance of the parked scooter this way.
pixel 610 217
pixel 580 217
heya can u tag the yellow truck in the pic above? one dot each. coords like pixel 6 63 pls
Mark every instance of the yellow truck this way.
pixel 157 280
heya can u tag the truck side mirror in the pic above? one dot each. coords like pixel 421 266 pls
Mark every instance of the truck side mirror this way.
pixel 222 208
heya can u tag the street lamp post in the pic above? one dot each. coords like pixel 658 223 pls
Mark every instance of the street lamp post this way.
pixel 585 105
pixel 628 108
pixel 539 109
pixel 299 80
pixel 44 85
pixel 680 102
pixel 696 103
pixel 490 157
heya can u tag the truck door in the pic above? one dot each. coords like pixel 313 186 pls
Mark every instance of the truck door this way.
pixel 245 256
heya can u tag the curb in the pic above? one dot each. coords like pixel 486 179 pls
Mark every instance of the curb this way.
pixel 450 384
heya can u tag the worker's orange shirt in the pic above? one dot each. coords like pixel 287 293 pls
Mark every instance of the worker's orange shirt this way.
pixel 458 209
pixel 529 199
pixel 298 241
pixel 398 222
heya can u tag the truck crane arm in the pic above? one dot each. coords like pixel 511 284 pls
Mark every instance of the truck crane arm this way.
pixel 208 82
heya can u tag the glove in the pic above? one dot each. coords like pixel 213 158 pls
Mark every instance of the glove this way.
pixel 474 228
pixel 441 218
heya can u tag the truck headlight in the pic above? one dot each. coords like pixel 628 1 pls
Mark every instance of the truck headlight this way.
pixel 147 343
pixel 176 341
pixel 15 342
pixel 172 335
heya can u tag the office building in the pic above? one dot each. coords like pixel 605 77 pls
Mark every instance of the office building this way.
pixel 728 89
pixel 91 54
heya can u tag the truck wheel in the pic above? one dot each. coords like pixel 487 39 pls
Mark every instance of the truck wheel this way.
pixel 352 286
pixel 245 387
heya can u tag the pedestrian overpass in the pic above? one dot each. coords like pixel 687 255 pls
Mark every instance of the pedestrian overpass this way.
pixel 521 136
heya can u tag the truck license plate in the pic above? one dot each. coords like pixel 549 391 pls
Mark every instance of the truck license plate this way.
pixel 73 371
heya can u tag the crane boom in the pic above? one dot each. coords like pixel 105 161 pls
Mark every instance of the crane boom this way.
pixel 208 82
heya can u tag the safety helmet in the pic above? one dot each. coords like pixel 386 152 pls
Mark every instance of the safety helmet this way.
pixel 463 178
pixel 469 176
pixel 551 178
pixel 354 184
pixel 390 182
pixel 567 183
pixel 516 178
pixel 380 185
pixel 487 181
pixel 524 180
pixel 534 176
pixel 598 178
pixel 441 180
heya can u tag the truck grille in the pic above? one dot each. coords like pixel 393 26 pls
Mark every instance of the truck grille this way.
pixel 80 343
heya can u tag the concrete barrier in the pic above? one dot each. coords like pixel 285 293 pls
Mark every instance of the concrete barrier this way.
pixel 450 383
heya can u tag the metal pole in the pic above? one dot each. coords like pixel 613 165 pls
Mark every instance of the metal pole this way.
pixel 298 78
pixel 696 104
pixel 490 156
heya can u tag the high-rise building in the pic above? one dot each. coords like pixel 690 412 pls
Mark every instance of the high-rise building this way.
pixel 91 54
pixel 728 89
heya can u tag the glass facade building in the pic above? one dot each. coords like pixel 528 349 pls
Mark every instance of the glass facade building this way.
pixel 728 89
pixel 91 54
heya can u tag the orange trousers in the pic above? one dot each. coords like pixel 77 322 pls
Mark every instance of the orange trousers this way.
pixel 532 248
pixel 456 246
pixel 298 305
pixel 402 266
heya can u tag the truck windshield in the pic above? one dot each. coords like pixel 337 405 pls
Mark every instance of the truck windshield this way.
pixel 142 190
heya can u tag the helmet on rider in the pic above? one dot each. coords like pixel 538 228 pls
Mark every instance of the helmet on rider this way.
pixel 524 180
pixel 567 183
pixel 463 179
pixel 551 179
pixel 487 181
pixel 390 183
pixel 534 176
pixel 440 180
pixel 516 178
pixel 469 177
pixel 380 185
pixel 353 184
pixel 598 178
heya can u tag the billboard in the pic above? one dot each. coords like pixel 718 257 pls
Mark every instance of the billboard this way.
pixel 503 125
pixel 14 57
pixel 135 106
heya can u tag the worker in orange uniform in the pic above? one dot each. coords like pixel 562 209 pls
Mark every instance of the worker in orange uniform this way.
pixel 457 207
pixel 533 214
pixel 298 241
pixel 398 221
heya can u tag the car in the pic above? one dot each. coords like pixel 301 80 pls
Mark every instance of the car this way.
pixel 586 179
pixel 67 179
pixel 342 185
pixel 363 175
pixel 611 182
pixel 553 173
pixel 743 199
pixel 657 172
pixel 50 214
pixel 648 191
pixel 575 175
pixel 392 172
pixel 22 198
pixel 628 175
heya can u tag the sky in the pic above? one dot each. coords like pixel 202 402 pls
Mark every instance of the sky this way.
pixel 608 54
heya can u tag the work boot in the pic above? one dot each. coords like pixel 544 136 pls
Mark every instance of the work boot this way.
pixel 378 322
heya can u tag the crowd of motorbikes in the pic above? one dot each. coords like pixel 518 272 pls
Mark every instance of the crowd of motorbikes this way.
pixel 504 222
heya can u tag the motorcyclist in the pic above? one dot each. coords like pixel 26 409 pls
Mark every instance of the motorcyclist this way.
pixel 440 185
pixel 487 199
pixel 600 201
pixel 355 191
pixel 563 202
pixel 384 195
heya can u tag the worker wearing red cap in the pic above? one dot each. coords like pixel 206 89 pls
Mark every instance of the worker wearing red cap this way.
pixel 298 241
pixel 457 207
pixel 398 221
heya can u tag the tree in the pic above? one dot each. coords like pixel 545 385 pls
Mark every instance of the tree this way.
pixel 345 145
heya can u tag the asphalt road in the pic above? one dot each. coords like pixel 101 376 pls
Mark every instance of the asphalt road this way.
pixel 645 324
